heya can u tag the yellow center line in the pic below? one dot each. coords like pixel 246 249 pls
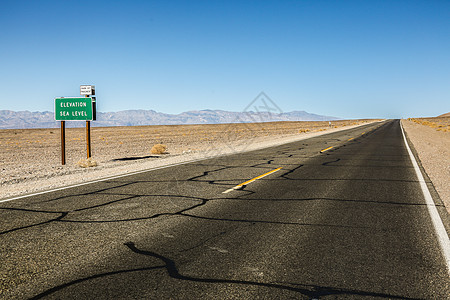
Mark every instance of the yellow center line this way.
pixel 350 139
pixel 363 133
pixel 251 180
pixel 321 151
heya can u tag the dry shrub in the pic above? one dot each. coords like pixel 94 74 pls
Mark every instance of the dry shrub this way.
pixel 158 149
pixel 303 130
pixel 87 163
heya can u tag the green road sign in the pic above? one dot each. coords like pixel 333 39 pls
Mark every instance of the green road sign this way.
pixel 73 109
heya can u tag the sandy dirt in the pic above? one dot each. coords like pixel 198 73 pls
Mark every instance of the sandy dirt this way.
pixel 431 139
pixel 30 159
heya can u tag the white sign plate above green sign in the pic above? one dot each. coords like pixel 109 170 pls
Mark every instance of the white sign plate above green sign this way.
pixel 87 90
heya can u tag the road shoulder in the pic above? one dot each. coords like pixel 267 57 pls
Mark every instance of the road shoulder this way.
pixel 433 150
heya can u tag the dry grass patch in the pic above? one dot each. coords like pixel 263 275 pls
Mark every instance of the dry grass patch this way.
pixel 87 163
pixel 158 149
pixel 439 123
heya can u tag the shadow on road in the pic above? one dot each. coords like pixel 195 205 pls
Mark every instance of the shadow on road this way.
pixel 311 291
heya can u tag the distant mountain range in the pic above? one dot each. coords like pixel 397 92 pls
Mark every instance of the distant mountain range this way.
pixel 26 119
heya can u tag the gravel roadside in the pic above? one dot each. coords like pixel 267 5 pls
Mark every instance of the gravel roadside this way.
pixel 433 149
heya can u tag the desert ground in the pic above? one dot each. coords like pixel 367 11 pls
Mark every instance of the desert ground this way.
pixel 30 159
pixel 431 139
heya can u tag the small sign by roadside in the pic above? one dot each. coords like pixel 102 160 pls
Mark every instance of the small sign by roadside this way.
pixel 87 90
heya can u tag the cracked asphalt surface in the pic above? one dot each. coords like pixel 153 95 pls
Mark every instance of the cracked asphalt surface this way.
pixel 347 223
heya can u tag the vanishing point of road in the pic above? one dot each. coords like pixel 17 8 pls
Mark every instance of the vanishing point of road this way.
pixel 337 216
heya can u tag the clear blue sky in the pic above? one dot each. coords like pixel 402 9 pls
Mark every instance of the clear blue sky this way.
pixel 351 59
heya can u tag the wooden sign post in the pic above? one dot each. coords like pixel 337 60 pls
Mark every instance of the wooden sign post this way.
pixel 63 142
pixel 88 138
pixel 88 90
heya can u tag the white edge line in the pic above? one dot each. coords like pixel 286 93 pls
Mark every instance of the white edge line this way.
pixel 161 167
pixel 442 235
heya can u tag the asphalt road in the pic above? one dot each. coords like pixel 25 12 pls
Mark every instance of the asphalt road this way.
pixel 350 222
